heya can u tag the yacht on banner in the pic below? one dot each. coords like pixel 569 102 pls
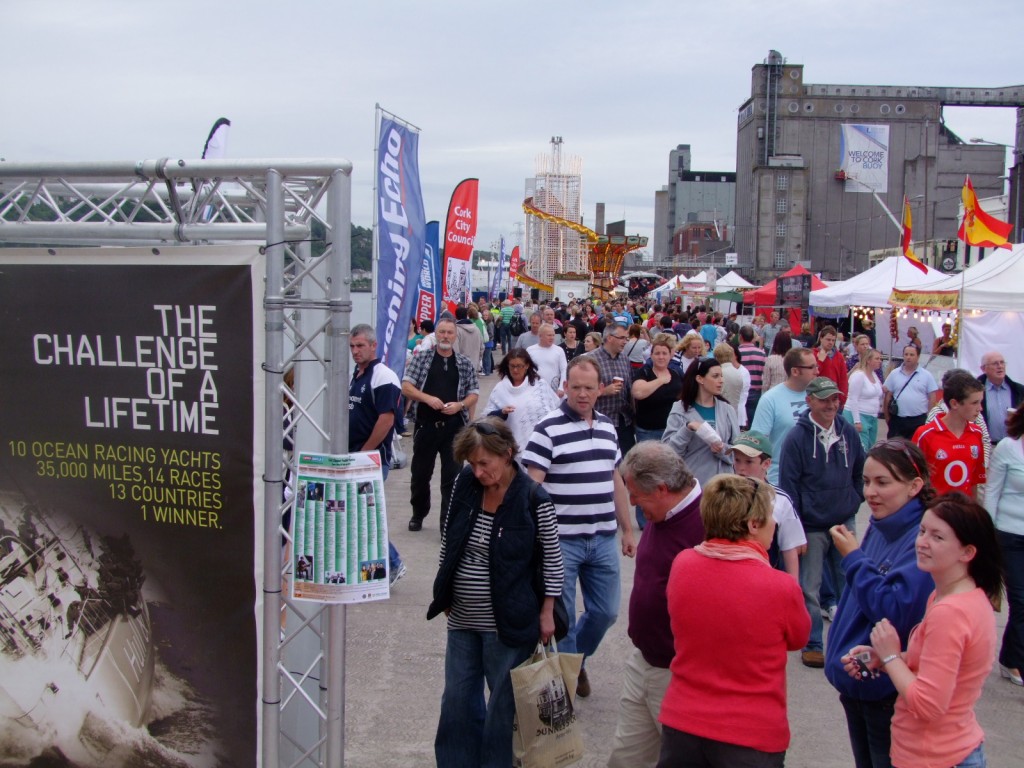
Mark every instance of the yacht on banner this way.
pixel 75 633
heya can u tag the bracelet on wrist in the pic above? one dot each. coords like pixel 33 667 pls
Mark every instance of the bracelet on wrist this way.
pixel 891 657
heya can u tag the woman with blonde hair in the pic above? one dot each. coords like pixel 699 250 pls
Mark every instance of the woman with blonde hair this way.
pixel 689 348
pixel 592 341
pixel 736 379
pixel 865 399
pixel 726 702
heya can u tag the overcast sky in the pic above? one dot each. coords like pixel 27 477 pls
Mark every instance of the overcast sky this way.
pixel 489 84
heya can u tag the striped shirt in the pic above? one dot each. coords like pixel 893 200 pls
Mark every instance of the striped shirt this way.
pixel 507 313
pixel 752 358
pixel 579 462
pixel 472 608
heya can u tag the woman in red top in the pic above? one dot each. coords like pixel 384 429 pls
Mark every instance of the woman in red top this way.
pixel 951 652
pixel 733 618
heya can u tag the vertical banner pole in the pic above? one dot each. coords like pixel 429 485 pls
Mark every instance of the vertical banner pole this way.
pixel 273 306
pixel 339 202
pixel 375 252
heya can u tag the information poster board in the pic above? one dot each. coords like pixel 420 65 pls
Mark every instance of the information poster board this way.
pixel 793 291
pixel 131 408
pixel 340 529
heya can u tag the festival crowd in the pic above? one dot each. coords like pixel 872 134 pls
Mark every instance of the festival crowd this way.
pixel 743 451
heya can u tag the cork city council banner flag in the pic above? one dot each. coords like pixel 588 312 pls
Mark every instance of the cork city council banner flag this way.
pixel 131 415
pixel 459 236
pixel 401 225
pixel 864 157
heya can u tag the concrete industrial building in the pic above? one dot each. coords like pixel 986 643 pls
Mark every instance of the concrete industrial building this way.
pixel 801 197
pixel 693 216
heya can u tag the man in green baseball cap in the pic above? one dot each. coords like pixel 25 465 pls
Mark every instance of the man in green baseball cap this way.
pixel 821 467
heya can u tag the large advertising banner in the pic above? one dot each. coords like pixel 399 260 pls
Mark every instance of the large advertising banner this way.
pixel 401 229
pixel 131 429
pixel 340 529
pixel 864 157
pixel 513 265
pixel 459 236
pixel 430 277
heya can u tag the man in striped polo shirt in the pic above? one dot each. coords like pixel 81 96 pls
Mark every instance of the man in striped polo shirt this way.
pixel 574 453
pixel 751 358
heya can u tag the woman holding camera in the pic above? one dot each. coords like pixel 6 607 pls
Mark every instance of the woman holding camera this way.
pixel 882 579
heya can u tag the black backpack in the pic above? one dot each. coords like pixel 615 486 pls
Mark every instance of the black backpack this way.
pixel 517 325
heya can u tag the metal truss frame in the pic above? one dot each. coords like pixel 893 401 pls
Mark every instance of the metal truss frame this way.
pixel 307 308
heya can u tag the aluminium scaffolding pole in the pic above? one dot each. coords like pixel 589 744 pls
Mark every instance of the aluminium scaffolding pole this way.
pixel 100 203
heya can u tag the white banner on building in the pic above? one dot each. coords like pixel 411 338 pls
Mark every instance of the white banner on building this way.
pixel 864 157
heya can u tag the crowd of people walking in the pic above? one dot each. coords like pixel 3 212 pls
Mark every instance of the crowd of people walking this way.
pixel 745 455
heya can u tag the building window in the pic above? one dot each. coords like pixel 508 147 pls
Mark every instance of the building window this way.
pixel 781 205
pixel 782 181
pixel 780 259
pixel 780 230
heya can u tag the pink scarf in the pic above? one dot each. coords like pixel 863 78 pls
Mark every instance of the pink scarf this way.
pixel 723 549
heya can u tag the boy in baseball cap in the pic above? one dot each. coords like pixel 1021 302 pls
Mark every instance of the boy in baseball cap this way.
pixel 752 455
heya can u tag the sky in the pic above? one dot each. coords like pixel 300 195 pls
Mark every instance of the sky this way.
pixel 487 83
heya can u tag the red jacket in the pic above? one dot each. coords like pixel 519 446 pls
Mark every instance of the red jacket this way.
pixel 834 368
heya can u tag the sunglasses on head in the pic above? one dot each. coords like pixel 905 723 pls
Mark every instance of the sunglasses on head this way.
pixel 896 444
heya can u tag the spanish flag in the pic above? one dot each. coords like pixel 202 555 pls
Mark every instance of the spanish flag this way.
pixel 979 228
pixel 905 240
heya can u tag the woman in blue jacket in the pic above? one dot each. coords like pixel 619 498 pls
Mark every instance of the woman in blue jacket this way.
pixel 882 581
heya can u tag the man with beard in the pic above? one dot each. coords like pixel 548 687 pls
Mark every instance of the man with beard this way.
pixel 443 388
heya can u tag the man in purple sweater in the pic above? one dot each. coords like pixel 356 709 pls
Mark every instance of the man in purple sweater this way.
pixel 659 481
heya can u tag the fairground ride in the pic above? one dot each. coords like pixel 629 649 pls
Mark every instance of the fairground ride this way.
pixel 605 253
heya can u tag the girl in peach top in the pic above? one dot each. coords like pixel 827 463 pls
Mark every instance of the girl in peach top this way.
pixel 951 652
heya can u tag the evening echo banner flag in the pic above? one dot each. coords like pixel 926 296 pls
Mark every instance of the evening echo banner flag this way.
pixel 980 228
pixel 459 236
pixel 401 230
pixel 430 276
pixel 905 243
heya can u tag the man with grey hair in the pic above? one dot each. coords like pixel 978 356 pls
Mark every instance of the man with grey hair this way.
pixel 1001 394
pixel 616 401
pixel 373 407
pixel 658 480
pixel 443 388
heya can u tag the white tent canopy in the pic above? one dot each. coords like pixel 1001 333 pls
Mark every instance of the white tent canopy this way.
pixel 733 280
pixel 872 287
pixel 995 283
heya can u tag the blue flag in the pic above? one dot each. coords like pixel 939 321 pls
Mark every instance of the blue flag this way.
pixel 401 225
pixel 496 283
pixel 430 277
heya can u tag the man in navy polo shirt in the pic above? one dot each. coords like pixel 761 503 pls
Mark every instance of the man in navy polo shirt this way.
pixel 372 408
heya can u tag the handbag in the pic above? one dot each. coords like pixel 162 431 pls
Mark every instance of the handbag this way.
pixel 894 407
pixel 546 732
pixel 560 614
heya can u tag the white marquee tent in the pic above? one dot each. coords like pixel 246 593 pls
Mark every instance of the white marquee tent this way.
pixel 991 306
pixel 872 287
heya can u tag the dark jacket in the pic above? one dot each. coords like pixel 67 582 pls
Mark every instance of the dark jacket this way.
pixel 882 581
pixel 826 487
pixel 1016 395
pixel 512 554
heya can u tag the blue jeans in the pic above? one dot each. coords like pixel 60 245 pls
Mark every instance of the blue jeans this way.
pixel 472 733
pixel 594 560
pixel 868 428
pixel 394 559
pixel 974 760
pixel 1011 654
pixel 869 725
pixel 487 361
pixel 505 337
pixel 821 553
pixel 643 435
